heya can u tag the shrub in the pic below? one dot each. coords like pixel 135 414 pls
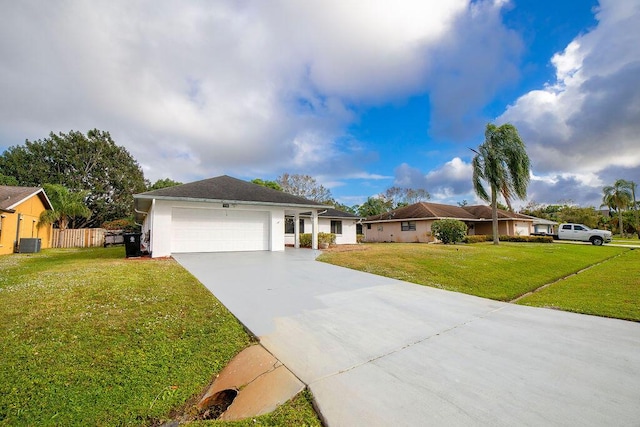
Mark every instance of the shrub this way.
pixel 541 239
pixel 305 240
pixel 124 224
pixel 478 238
pixel 328 238
pixel 449 230
pixel 360 238
pixel 531 239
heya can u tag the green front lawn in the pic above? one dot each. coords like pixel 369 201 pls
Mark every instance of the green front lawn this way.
pixel 509 270
pixel 632 240
pixel 610 289
pixel 88 337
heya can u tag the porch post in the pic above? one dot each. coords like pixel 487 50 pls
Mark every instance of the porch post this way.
pixel 296 230
pixel 314 238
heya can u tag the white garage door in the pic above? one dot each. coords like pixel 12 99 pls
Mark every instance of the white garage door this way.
pixel 219 230
pixel 522 230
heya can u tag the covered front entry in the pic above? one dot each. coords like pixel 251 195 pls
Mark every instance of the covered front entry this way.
pixel 219 230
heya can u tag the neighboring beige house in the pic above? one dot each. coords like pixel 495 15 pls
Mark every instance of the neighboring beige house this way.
pixel 413 223
pixel 543 226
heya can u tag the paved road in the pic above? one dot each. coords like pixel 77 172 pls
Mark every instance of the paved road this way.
pixel 381 352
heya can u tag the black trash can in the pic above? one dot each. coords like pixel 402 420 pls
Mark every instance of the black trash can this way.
pixel 132 244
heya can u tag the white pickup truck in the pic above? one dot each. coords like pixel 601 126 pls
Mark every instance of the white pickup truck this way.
pixel 583 233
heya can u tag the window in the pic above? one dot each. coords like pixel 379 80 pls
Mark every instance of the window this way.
pixel 408 225
pixel 566 227
pixel 336 227
pixel 289 226
pixel 579 228
pixel 368 226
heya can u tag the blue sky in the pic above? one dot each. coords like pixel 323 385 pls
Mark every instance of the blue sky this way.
pixel 361 94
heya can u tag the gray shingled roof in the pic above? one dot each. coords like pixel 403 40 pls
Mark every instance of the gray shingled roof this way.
pixel 425 210
pixel 335 213
pixel 10 196
pixel 228 189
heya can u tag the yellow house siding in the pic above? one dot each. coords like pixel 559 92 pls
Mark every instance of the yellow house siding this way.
pixel 29 210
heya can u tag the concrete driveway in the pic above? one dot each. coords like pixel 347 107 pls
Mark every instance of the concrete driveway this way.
pixel 381 352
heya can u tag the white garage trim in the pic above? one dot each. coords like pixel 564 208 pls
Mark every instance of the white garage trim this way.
pixel 219 230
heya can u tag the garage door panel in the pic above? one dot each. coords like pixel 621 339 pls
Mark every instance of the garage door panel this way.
pixel 219 230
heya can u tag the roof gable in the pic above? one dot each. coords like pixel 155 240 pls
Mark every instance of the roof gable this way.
pixel 226 188
pixel 12 196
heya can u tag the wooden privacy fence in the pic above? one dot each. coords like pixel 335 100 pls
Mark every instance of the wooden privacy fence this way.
pixel 78 238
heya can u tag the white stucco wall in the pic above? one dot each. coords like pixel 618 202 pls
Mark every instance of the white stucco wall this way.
pixel 348 235
pixel 158 220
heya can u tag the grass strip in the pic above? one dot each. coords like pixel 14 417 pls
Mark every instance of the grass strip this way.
pixel 611 289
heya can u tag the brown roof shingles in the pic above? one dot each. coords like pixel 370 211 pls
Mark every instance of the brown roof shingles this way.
pixel 12 195
pixel 484 212
pixel 425 210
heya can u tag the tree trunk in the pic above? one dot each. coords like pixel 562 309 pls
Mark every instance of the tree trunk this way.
pixel 635 209
pixel 620 222
pixel 494 215
pixel 62 223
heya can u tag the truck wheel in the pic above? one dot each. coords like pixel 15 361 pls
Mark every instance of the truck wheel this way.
pixel 596 241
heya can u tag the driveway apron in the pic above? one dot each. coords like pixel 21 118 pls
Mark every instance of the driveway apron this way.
pixel 381 352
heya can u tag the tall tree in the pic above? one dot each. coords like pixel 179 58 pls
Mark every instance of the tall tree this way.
pixel 636 226
pixel 163 183
pixel 375 206
pixel 304 186
pixel 501 161
pixel 7 180
pixel 618 196
pixel 401 196
pixel 267 183
pixel 91 162
pixel 67 206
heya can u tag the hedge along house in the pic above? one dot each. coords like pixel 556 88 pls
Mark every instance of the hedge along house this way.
pixel 344 225
pixel 20 209
pixel 413 223
pixel 221 214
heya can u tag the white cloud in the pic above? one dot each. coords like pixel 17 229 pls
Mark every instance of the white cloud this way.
pixel 194 89
pixel 476 60
pixel 447 183
pixel 589 118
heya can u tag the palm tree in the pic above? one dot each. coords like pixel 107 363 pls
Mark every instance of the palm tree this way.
pixel 502 162
pixel 66 205
pixel 617 196
pixel 632 187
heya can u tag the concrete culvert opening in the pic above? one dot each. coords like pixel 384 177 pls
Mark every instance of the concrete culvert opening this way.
pixel 253 383
pixel 219 403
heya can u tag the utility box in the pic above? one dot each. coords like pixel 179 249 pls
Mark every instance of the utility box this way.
pixel 132 244
pixel 29 246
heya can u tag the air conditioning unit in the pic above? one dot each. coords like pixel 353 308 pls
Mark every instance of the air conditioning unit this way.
pixel 29 246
